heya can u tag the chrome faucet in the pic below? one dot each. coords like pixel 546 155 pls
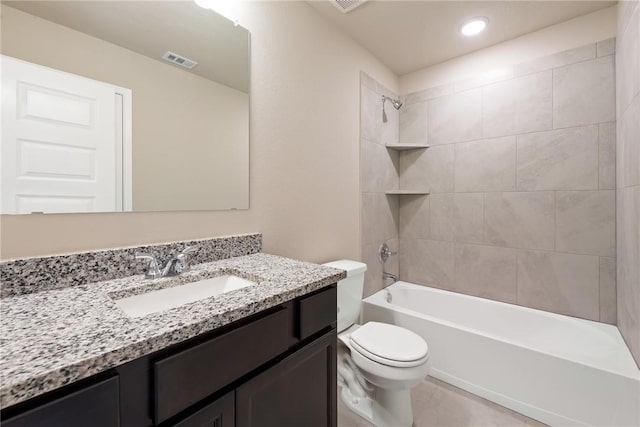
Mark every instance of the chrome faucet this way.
pixel 384 253
pixel 173 267
pixel 386 276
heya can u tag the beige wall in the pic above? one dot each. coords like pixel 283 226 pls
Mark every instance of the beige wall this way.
pixel 576 32
pixel 303 160
pixel 179 118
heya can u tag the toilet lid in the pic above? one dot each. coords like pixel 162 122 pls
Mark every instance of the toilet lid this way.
pixel 389 344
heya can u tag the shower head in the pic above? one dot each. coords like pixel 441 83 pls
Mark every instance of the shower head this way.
pixel 396 104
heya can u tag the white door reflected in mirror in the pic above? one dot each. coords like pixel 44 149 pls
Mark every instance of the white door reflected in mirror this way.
pixel 188 128
pixel 63 142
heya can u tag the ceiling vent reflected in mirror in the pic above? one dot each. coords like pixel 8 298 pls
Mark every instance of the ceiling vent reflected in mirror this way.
pixel 346 6
pixel 179 60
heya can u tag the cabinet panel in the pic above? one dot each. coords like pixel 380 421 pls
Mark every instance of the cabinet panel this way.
pixel 95 406
pixel 220 413
pixel 298 391
pixel 189 376
pixel 318 311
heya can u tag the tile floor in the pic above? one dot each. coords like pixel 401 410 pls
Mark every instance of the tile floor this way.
pixel 438 404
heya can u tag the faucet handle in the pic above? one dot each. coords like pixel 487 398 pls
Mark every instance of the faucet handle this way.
pixel 384 253
pixel 154 269
pixel 189 249
pixel 182 264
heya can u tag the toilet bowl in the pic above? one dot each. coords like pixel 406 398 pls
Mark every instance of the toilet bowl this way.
pixel 378 363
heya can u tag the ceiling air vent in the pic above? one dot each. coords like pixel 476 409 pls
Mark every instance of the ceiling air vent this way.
pixel 179 60
pixel 346 6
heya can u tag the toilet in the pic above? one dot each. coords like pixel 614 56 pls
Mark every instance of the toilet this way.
pixel 378 363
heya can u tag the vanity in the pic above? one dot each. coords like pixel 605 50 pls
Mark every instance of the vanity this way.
pixel 259 355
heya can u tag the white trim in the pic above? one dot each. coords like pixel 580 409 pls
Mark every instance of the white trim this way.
pixel 127 148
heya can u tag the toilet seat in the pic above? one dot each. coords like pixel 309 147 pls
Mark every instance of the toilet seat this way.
pixel 390 345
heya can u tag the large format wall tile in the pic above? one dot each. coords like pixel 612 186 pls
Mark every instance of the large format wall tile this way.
pixel 626 9
pixel 628 174
pixel 369 128
pixel 390 131
pixel 413 123
pixel 584 93
pixel 608 312
pixel 455 118
pixel 441 211
pixel 520 220
pixel 628 267
pixel 456 217
pixel 427 262
pixel 520 105
pixel 373 276
pixel 502 74
pixel 559 59
pixel 505 152
pixel 414 217
pixel 487 165
pixel 429 93
pixel 430 169
pixel 372 128
pixel 607 156
pixel 629 156
pixel 628 58
pixel 485 271
pixel 606 47
pixel 379 217
pixel 562 283
pixel 586 222
pixel 565 159
pixel 378 168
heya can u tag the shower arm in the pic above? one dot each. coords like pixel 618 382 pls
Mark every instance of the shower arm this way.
pixel 395 102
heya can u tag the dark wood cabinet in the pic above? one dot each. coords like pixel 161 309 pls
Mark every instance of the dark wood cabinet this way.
pixel 298 391
pixel 187 377
pixel 220 413
pixel 95 405
pixel 275 368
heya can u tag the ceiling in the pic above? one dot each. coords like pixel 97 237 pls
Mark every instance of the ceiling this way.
pixel 152 28
pixel 411 35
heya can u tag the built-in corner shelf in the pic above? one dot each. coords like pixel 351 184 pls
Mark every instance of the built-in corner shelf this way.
pixel 407 192
pixel 407 147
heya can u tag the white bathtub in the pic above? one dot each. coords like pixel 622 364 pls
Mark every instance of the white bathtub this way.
pixel 556 369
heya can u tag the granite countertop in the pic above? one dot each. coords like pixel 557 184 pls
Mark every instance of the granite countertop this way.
pixel 52 338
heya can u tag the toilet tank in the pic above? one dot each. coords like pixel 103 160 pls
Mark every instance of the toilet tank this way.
pixel 349 291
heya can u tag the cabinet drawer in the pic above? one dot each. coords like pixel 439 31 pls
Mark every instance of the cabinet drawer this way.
pixel 96 405
pixel 221 413
pixel 189 376
pixel 318 311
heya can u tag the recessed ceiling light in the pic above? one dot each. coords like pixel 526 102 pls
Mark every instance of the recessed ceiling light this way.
pixel 474 26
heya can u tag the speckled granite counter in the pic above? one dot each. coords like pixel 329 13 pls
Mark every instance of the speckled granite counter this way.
pixel 52 338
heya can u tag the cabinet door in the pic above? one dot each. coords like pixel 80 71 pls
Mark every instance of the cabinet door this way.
pixel 298 391
pixel 95 406
pixel 220 413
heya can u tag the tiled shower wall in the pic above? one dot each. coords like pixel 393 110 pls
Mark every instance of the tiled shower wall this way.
pixel 378 173
pixel 628 173
pixel 521 172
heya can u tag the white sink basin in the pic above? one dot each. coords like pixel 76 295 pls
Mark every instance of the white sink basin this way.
pixel 164 299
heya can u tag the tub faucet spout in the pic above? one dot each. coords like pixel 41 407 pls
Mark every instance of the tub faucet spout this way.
pixel 386 276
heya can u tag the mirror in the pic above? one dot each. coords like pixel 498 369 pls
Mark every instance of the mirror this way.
pixel 114 106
